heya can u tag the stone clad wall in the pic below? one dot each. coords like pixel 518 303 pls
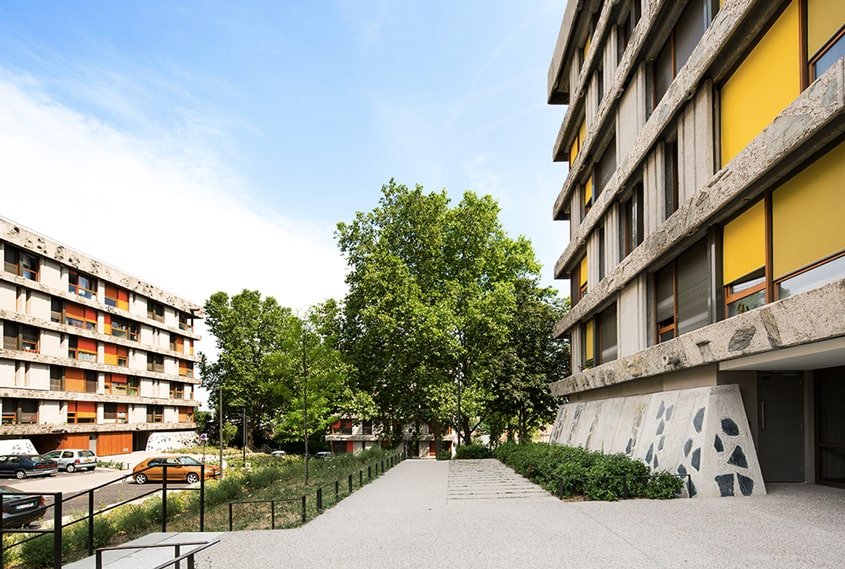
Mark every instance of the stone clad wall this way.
pixel 702 432
pixel 166 441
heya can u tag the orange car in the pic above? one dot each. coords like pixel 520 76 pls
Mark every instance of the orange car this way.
pixel 179 469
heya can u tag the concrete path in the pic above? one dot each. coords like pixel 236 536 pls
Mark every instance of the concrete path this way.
pixel 411 517
pixel 147 558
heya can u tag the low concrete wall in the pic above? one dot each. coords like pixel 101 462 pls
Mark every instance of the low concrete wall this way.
pixel 702 432
pixel 172 440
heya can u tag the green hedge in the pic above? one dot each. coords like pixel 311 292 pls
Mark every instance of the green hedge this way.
pixel 579 472
pixel 473 451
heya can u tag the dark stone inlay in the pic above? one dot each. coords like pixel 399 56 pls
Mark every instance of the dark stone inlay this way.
pixel 746 484
pixel 656 464
pixel 741 339
pixel 698 420
pixel 660 410
pixel 660 444
pixel 729 427
pixel 726 484
pixel 687 447
pixel 660 428
pixel 630 446
pixel 717 444
pixel 682 470
pixel 695 461
pixel 669 412
pixel 692 489
pixel 738 458
pixel 650 453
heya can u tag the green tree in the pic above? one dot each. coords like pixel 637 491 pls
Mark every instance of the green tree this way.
pixel 430 302
pixel 250 333
pixel 519 384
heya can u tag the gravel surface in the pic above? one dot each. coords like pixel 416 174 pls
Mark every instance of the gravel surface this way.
pixel 407 518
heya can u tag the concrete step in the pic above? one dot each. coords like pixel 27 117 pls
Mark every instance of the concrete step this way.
pixel 146 558
pixel 488 479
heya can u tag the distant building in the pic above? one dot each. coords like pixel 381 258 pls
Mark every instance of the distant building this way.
pixel 705 200
pixel 91 357
pixel 352 435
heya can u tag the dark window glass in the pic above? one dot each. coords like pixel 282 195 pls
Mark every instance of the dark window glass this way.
pixel 601 253
pixel 665 302
pixel 606 168
pixel 607 334
pixel 829 57
pixel 662 72
pixel 670 165
pixel 689 29
pixel 694 293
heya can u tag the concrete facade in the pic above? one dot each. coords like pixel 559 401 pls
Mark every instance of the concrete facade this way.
pixel 353 436
pixel 92 357
pixel 649 195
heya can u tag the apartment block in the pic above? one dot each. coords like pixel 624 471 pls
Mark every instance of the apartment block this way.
pixel 91 357
pixel 352 435
pixel 705 196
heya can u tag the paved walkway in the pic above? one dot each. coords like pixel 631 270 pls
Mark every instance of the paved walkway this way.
pixel 419 515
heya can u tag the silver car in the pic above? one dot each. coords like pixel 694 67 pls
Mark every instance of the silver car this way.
pixel 73 459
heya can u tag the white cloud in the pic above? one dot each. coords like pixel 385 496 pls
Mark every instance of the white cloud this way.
pixel 155 207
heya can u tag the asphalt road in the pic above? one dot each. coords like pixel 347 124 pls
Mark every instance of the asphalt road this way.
pixel 74 483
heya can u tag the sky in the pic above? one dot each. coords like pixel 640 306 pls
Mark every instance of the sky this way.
pixel 214 145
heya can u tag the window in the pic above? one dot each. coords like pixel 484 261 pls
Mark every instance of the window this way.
pixel 602 252
pixel 20 337
pixel 577 142
pixel 82 349
pixel 155 362
pixel 631 221
pixel 366 427
pixel 824 33
pixel 120 328
pixel 177 344
pixel 80 380
pixel 186 415
pixel 177 391
pixel 81 284
pixel 630 15
pixel 20 262
pixel 81 412
pixel 680 44
pixel 606 166
pixel 599 75
pixel 185 321
pixel 20 411
pixel 587 192
pixel 132 385
pixel 114 412
pixel 588 344
pixel 57 309
pixel 682 295
pixel 155 414
pixel 80 316
pixel 606 322
pixel 115 384
pixel 116 355
pixel 186 369
pixel 579 280
pixel 744 260
pixel 155 310
pixel 670 177
pixel 769 76
pixel 117 297
pixel 57 378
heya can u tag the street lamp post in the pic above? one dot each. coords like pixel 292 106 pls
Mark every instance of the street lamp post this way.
pixel 220 417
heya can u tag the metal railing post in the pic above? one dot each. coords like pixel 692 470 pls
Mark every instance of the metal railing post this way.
pixel 57 530
pixel 369 472
pixel 304 511
pixel 350 483
pixel 272 514
pixel 319 499
pixel 164 499
pixel 98 560
pixel 230 516
pixel 178 553
pixel 202 499
pixel 91 522
pixel 336 491
pixel 360 478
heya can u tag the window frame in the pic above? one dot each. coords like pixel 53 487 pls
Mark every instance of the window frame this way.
pixel 21 269
pixel 77 288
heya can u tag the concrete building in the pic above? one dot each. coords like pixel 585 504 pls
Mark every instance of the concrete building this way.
pixel 352 435
pixel 91 357
pixel 705 197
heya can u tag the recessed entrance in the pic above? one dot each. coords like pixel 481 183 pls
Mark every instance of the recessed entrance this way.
pixel 781 426
pixel 830 433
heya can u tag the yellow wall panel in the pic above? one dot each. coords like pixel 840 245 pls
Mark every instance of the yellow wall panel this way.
pixel 745 243
pixel 582 272
pixel 824 18
pixel 588 190
pixel 588 341
pixel 763 85
pixel 807 223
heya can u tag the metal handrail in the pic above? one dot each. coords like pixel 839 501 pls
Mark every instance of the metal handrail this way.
pixel 98 559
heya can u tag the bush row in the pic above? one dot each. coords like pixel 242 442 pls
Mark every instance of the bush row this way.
pixel 578 472
pixel 473 450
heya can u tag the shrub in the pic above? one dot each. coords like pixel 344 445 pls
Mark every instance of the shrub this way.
pixel 444 455
pixel 571 471
pixel 473 451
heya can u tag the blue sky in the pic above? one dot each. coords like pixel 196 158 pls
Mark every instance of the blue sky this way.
pixel 200 134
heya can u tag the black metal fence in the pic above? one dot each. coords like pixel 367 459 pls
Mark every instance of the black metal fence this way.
pixel 59 499
pixel 296 510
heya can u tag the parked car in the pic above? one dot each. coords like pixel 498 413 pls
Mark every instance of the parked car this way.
pixel 179 469
pixel 21 509
pixel 22 465
pixel 73 459
pixel 278 453
pixel 323 454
